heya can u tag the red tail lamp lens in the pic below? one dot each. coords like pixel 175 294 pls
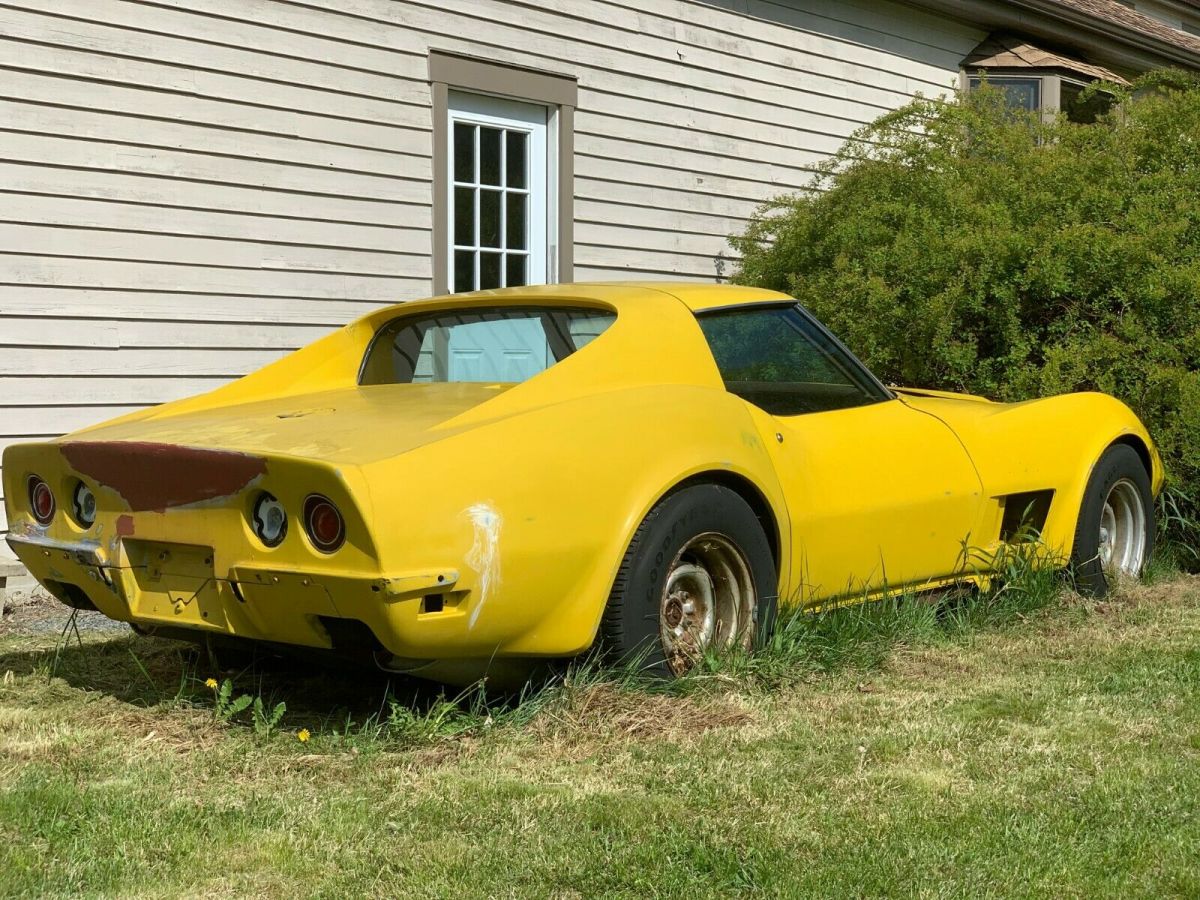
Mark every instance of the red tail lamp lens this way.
pixel 324 524
pixel 41 500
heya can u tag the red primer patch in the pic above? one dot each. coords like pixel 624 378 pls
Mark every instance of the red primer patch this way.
pixel 158 476
pixel 124 526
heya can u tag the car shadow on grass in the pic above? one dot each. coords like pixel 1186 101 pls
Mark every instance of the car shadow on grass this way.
pixel 93 654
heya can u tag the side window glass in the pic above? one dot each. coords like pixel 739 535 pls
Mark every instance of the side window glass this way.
pixel 775 358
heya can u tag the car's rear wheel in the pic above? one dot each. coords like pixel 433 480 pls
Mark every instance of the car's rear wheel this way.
pixel 1114 536
pixel 698 577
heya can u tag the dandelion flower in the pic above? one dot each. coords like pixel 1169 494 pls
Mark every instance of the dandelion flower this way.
pixel 211 683
pixel 302 735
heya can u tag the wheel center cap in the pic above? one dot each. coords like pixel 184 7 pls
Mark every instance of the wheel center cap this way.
pixel 673 613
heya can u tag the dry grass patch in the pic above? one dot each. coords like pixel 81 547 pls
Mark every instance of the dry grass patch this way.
pixel 607 712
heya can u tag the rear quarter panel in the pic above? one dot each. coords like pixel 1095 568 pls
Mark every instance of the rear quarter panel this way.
pixel 537 510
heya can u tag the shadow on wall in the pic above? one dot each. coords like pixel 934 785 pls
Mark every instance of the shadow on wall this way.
pixel 891 28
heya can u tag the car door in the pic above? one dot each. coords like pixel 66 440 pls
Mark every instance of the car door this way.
pixel 879 494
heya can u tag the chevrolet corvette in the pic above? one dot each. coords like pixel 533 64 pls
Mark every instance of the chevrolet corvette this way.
pixel 451 486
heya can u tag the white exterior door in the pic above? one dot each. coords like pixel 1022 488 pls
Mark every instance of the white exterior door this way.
pixel 498 192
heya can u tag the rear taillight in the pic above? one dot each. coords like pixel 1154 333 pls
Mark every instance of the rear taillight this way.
pixel 324 524
pixel 41 500
pixel 83 505
pixel 270 520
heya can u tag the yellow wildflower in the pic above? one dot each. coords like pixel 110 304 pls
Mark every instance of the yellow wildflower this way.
pixel 302 735
pixel 211 683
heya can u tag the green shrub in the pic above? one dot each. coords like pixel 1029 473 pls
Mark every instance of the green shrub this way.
pixel 967 246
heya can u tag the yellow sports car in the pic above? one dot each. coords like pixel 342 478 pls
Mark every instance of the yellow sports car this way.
pixel 465 483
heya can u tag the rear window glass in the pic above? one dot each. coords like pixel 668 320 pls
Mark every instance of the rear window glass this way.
pixel 507 344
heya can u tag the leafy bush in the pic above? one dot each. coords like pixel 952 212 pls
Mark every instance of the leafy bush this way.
pixel 968 246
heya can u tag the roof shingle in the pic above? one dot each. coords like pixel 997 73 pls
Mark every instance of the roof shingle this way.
pixel 1119 14
pixel 1006 51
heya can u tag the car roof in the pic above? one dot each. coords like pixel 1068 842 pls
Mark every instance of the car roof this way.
pixel 697 296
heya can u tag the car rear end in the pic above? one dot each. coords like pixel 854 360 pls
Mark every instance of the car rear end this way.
pixel 269 547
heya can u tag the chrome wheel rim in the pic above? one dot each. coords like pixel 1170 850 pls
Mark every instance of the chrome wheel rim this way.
pixel 1123 530
pixel 708 601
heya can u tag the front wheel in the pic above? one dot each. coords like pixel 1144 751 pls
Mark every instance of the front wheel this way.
pixel 698 576
pixel 1114 536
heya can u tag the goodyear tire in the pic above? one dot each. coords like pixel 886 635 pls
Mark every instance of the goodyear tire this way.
pixel 1114 536
pixel 698 577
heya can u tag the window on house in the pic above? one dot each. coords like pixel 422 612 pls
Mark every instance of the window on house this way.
pixel 1019 93
pixel 1049 93
pixel 498 173
pixel 1078 107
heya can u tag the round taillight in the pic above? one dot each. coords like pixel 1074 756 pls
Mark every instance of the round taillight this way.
pixel 41 500
pixel 270 520
pixel 324 524
pixel 83 505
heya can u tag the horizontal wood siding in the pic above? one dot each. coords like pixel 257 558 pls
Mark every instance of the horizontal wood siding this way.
pixel 191 188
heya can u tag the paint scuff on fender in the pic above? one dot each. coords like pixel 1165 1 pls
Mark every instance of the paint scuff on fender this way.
pixel 484 556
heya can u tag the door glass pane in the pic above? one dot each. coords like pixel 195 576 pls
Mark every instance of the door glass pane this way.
pixel 777 359
pixel 489 271
pixel 464 152
pixel 515 271
pixel 517 204
pixel 464 216
pixel 516 164
pixel 489 218
pixel 489 155
pixel 464 270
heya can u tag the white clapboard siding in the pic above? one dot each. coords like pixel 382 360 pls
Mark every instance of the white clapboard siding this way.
pixel 173 190
pixel 632 201
pixel 45 87
pixel 170 248
pixel 232 23
pixel 868 34
pixel 33 332
pixel 66 390
pixel 52 301
pixel 108 27
pixel 151 363
pixel 739 173
pixel 182 81
pixel 197 165
pixel 16 421
pixel 685 222
pixel 119 128
pixel 191 188
pixel 704 133
pixel 90 213
pixel 125 274
pixel 633 236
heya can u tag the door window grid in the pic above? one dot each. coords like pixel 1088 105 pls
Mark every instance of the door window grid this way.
pixel 491 215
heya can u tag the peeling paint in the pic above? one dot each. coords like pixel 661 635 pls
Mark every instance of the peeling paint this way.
pixel 152 476
pixel 124 526
pixel 484 555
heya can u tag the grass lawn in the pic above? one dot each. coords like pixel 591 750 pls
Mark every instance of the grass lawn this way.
pixel 1056 752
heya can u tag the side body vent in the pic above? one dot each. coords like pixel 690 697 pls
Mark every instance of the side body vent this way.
pixel 1024 515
